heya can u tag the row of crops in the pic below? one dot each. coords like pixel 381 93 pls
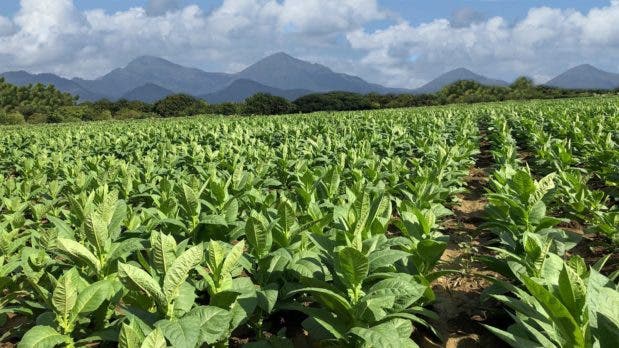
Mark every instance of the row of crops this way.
pixel 321 229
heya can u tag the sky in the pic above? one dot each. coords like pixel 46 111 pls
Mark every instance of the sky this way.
pixel 397 43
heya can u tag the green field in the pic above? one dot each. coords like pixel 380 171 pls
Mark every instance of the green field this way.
pixel 326 229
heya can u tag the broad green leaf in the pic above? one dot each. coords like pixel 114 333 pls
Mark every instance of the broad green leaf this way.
pixel 155 339
pixel 182 333
pixel 130 336
pixel 163 248
pixel 353 266
pixel 64 296
pixel 561 317
pixel 572 291
pixel 512 340
pixel 214 321
pixel 97 232
pixel 233 257
pixel 91 298
pixel 42 337
pixel 137 279
pixel 258 237
pixel 378 336
pixel 179 271
pixel 79 253
pixel 64 229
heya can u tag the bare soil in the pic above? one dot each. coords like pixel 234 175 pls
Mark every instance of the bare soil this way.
pixel 459 303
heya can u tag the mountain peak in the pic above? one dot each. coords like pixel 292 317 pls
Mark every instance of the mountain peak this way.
pixel 150 61
pixel 457 75
pixel 462 70
pixel 281 55
pixel 585 76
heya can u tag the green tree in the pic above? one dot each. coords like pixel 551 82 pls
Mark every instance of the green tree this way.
pixel 179 105
pixel 266 104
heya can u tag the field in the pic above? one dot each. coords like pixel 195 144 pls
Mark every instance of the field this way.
pixel 479 225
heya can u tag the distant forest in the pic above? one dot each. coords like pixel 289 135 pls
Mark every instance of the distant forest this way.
pixel 45 104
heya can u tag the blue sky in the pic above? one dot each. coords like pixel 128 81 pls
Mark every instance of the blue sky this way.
pixel 416 11
pixel 394 42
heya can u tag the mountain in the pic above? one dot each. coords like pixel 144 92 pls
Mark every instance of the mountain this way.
pixel 148 93
pixel 285 72
pixel 457 75
pixel 152 70
pixel 242 89
pixel 585 77
pixel 22 78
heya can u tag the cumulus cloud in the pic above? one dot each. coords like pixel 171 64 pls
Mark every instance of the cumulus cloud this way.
pixel 161 7
pixel 55 36
pixel 6 26
pixel 544 43
pixel 466 16
pixel 52 35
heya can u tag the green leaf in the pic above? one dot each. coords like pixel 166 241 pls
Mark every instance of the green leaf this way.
pixel 42 337
pixel 353 265
pixel 155 339
pixel 130 336
pixel 137 279
pixel 124 248
pixel 64 229
pixel 91 298
pixel 258 237
pixel 333 301
pixel 362 210
pixel 214 321
pixel 512 340
pixel 96 232
pixel 183 333
pixel 385 257
pixel 179 271
pixel 561 317
pixel 267 297
pixel 64 296
pixel 378 336
pixel 572 291
pixel 190 201
pixel 79 253
pixel 323 317
pixel 163 248
pixel 233 257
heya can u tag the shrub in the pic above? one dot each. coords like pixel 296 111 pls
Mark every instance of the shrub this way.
pixel 266 104
pixel 179 105
pixel 11 118
pixel 37 118
pixel 128 114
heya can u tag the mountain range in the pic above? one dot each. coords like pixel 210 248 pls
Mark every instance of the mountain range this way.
pixel 150 78
pixel 585 77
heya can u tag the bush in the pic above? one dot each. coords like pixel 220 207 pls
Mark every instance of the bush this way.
pixel 179 105
pixel 37 118
pixel 334 101
pixel 128 114
pixel 266 104
pixel 11 118
pixel 225 109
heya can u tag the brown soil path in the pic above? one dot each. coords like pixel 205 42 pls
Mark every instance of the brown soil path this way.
pixel 459 304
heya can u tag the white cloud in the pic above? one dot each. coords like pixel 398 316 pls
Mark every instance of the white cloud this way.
pixel 6 26
pixel 54 36
pixel 161 7
pixel 544 43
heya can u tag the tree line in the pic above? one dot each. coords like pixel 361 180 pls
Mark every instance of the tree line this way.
pixel 45 104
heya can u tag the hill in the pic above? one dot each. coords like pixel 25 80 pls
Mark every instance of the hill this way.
pixel 457 75
pixel 241 89
pixel 585 76
pixel 148 93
